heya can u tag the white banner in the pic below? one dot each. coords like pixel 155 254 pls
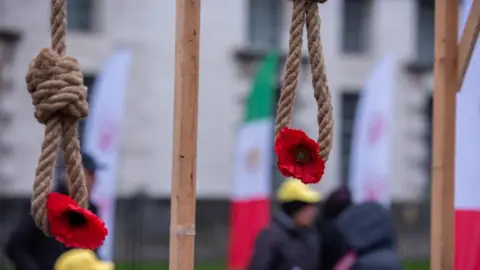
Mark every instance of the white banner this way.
pixel 102 137
pixel 467 169
pixel 370 161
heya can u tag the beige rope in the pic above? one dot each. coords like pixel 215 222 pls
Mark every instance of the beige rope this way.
pixel 306 12
pixel 319 81
pixel 55 84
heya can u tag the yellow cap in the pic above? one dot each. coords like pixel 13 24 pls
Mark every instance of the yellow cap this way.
pixel 294 190
pixel 81 259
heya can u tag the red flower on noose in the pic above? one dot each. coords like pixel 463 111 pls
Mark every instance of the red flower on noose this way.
pixel 72 225
pixel 298 156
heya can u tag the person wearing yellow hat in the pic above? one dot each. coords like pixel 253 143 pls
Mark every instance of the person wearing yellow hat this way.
pixel 290 241
pixel 81 259
pixel 298 201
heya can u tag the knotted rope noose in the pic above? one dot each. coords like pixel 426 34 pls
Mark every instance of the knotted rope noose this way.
pixel 55 84
pixel 306 12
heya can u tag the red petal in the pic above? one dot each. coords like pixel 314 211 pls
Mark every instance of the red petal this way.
pixel 313 172
pixel 312 146
pixel 58 203
pixel 90 236
pixel 294 136
pixel 288 138
pixel 286 169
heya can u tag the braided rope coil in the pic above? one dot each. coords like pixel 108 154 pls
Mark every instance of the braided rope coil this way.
pixel 55 84
pixel 305 12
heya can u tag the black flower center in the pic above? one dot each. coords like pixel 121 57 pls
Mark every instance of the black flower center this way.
pixel 75 219
pixel 302 155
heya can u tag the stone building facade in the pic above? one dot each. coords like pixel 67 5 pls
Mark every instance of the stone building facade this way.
pixel 234 35
pixel 356 34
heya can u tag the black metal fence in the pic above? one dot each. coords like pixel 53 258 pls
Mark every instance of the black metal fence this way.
pixel 142 228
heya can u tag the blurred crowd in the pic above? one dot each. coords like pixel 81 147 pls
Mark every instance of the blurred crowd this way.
pixel 338 235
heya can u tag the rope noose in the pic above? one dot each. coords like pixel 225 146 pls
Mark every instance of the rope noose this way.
pixel 306 12
pixel 55 84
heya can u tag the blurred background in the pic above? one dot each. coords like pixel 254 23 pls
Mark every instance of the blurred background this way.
pixel 235 38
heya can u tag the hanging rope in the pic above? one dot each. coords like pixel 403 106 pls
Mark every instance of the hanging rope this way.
pixel 55 84
pixel 306 12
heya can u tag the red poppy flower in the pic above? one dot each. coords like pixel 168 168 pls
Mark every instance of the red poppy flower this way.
pixel 73 225
pixel 298 156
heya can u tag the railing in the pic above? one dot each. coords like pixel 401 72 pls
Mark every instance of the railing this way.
pixel 8 46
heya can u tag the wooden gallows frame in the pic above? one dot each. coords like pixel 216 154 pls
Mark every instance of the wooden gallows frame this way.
pixel 451 62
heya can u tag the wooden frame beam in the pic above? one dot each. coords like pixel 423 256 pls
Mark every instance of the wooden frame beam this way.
pixel 468 41
pixel 444 111
pixel 184 157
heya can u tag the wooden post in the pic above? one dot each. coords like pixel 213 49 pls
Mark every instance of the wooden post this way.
pixel 444 98
pixel 183 198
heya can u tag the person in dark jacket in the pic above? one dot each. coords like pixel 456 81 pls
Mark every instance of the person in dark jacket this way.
pixel 289 243
pixel 368 230
pixel 28 248
pixel 367 237
pixel 333 244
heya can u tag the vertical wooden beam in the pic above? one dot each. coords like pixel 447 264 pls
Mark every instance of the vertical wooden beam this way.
pixel 444 98
pixel 183 197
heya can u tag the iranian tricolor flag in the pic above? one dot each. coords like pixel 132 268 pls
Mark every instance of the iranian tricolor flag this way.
pixel 250 204
pixel 467 166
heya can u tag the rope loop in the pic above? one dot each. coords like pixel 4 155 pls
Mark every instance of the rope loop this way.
pixel 56 86
pixel 305 12
pixel 59 97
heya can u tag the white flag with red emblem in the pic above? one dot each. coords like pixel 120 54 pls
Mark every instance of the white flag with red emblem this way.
pixel 467 169
pixel 371 156
pixel 102 138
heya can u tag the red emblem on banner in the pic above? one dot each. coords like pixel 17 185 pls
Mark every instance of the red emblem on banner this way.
pixel 376 128
pixel 108 132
